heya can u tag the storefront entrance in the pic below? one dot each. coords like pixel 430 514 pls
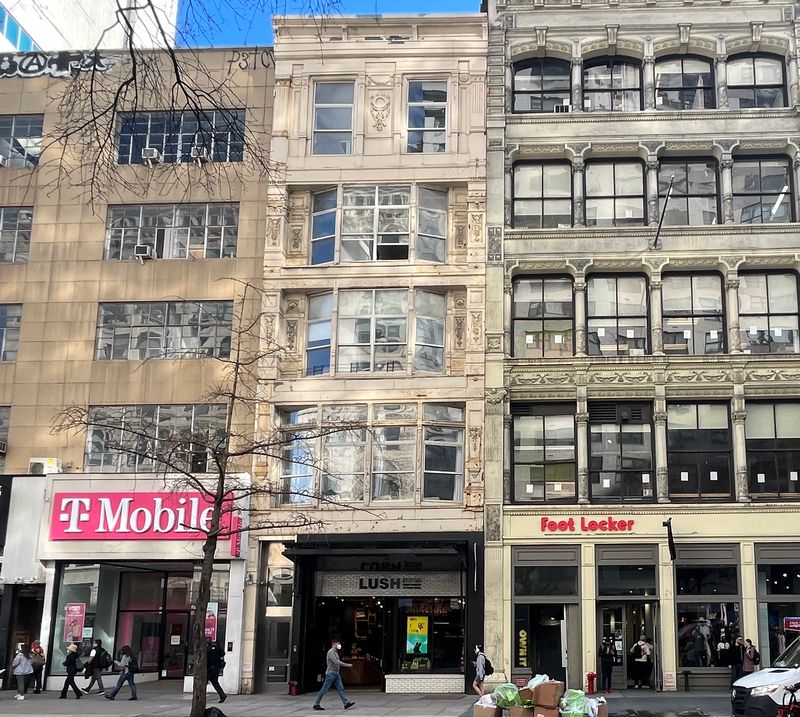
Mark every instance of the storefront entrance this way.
pixel 624 622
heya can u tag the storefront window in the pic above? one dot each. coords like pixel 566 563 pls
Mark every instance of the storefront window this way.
pixel 779 592
pixel 705 632
pixel 545 580
pixel 434 634
pixel 626 580
pixel 141 591
pixel 707 580
pixel 778 580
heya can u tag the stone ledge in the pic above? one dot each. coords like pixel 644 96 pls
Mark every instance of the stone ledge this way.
pixel 424 684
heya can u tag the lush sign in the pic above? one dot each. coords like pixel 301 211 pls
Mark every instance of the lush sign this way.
pixel 52 64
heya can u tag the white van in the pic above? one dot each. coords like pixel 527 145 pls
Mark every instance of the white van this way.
pixel 761 693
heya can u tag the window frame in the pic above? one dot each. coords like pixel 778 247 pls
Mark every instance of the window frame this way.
pixel 9 344
pixel 423 130
pixel 753 56
pixel 613 196
pixel 20 251
pixel 332 105
pixel 5 426
pixel 28 160
pixel 516 320
pixel 530 63
pixel 747 349
pixel 648 348
pixel 723 333
pixel 612 61
pixel 761 158
pixel 542 199
pixel 684 87
pixel 775 450
pixel 685 162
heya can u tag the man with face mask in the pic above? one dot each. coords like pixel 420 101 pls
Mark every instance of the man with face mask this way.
pixel 333 678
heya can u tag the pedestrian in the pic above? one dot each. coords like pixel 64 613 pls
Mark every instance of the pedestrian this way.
pixel 73 667
pixel 99 659
pixel 215 663
pixel 736 659
pixel 751 658
pixel 642 652
pixel 332 677
pixel 128 666
pixel 39 659
pixel 608 656
pixel 480 670
pixel 22 667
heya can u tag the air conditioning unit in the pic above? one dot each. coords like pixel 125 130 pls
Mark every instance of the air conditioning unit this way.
pixel 3 448
pixel 44 466
pixel 151 155
pixel 144 251
pixel 562 108
pixel 200 154
pixel 3 161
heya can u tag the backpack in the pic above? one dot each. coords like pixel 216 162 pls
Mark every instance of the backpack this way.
pixel 637 651
pixel 104 660
pixel 133 665
pixel 756 657
pixel 78 664
pixel 488 668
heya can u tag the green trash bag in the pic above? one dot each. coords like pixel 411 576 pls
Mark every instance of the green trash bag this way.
pixel 507 696
pixel 574 704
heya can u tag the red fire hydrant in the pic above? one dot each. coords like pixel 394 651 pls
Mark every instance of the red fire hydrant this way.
pixel 590 680
pixel 293 691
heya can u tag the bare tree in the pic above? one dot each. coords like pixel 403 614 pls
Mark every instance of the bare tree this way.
pixel 215 457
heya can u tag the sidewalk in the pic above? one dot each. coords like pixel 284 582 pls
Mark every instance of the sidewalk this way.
pixel 162 699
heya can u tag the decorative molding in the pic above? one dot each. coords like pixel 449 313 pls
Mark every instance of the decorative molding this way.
pixel 291 334
pixel 496 396
pixel 493 527
pixel 475 435
pixel 624 377
pixel 461 236
pixel 545 378
pixel 459 324
pixel 379 109
pixel 698 376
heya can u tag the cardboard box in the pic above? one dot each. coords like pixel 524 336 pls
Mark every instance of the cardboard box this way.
pixel 602 709
pixel 548 694
pixel 526 695
pixel 545 712
pixel 478 711
pixel 521 712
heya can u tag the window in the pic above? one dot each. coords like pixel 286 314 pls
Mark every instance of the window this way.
pixel 614 194
pixel 164 329
pixel 173 231
pixel 10 321
pixel 174 134
pixel 694 321
pixel 699 445
pixel 150 438
pixel 612 85
pixel 542 195
pixel 15 233
pixel 768 313
pixel 21 139
pixel 703 631
pixel 626 580
pixel 684 83
pixel 541 85
pixel 707 579
pixel 318 338
pixel 621 452
pixel 5 420
pixel 542 315
pixel 333 118
pixel 755 81
pixel 772 432
pixel 380 223
pixel 427 115
pixel 617 316
pixel 544 454
pixel 538 580
pixel 693 201
pixel 369 453
pixel 762 191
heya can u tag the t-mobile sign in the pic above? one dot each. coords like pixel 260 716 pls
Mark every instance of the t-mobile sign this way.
pixel 133 516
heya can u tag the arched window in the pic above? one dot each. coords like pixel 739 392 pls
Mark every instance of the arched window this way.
pixel 756 81
pixel 684 83
pixel 612 84
pixel 541 84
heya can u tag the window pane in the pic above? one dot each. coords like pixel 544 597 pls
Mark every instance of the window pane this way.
pixel 545 580
pixel 632 296
pixel 558 180
pixel 782 293
pixel 768 71
pixel 626 580
pixel 333 93
pixel 599 179
pixel 528 180
pixel 628 179
pixel 760 421
pixel 676 294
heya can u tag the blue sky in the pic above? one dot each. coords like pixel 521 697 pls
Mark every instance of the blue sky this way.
pixel 255 28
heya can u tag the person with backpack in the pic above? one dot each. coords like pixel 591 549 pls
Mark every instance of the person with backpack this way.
pixel 642 653
pixel 99 660
pixel 608 655
pixel 22 666
pixel 74 666
pixel 483 668
pixel 38 659
pixel 128 666
pixel 751 658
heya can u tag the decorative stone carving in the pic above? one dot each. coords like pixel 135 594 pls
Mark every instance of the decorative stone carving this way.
pixel 620 377
pixel 475 326
pixel 461 236
pixel 291 335
pixel 269 328
pixel 662 484
pixel 475 435
pixel 475 227
pixel 496 396
pixel 273 231
pixel 780 374
pixel 580 266
pixel 379 110
pixel 611 34
pixel 493 532
pixel 698 376
pixel 494 247
pixel 459 323
pixel 494 343
pixel 296 242
pixel 543 378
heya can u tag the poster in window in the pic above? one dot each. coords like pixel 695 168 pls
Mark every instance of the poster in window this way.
pixel 211 621
pixel 74 619
pixel 417 636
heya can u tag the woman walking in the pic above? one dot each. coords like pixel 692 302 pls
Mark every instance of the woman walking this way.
pixel 129 667
pixel 23 669
pixel 39 660
pixel 71 663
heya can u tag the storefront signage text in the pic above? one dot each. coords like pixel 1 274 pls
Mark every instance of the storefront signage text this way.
pixel 586 525
pixel 54 64
pixel 792 624
pixel 133 516
pixel 348 584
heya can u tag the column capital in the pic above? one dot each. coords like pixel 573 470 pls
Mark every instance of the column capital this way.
pixel 656 286
pixel 732 284
pixel 726 164
pixel 652 165
pixel 576 61
pixel 579 286
pixel 720 59
pixel 578 166
pixel 660 417
pixel 738 416
pixel 582 418
pixel 649 59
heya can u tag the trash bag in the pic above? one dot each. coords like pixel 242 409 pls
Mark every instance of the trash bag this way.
pixel 487 701
pixel 507 696
pixel 574 704
pixel 594 705
pixel 213 712
pixel 537 680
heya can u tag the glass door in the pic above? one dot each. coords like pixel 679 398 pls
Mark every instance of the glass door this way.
pixel 176 641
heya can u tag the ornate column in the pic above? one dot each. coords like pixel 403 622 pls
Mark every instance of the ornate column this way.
pixel 579 297
pixel 738 416
pixel 794 79
pixel 662 472
pixel 796 165
pixel 508 175
pixel 508 447
pixel 577 84
pixel 508 301
pixel 652 190
pixel 578 203
pixel 582 447
pixel 727 189
pixel 649 82
pixel 721 73
pixel 732 289
pixel 656 325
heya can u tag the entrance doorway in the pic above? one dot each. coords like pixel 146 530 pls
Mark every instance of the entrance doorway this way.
pixel 625 622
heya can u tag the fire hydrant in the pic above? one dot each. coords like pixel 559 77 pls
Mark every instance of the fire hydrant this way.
pixel 590 680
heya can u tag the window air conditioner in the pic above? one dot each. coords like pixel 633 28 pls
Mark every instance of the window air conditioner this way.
pixel 562 108
pixel 200 154
pixel 151 155
pixel 144 251
pixel 44 466
pixel 3 161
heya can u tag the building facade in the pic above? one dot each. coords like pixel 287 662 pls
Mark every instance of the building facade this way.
pixel 374 288
pixel 638 380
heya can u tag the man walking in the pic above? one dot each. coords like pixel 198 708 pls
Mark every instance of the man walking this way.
pixel 333 678
pixel 215 663
pixel 95 666
pixel 736 659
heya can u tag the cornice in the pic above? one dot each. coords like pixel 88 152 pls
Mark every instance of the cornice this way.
pixel 645 116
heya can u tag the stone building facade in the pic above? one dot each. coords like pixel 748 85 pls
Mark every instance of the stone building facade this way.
pixel 637 376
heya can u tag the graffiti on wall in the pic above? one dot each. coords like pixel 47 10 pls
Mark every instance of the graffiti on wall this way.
pixel 53 64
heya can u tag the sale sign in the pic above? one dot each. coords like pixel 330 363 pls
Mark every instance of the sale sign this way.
pixel 74 618
pixel 791 624
pixel 212 613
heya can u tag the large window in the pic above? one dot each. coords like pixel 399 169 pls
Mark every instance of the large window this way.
pixel 693 200
pixel 614 194
pixel 684 83
pixel 612 85
pixel 543 318
pixel 150 438
pixel 699 445
pixel 164 329
pixel 617 316
pixel 768 313
pixel 333 118
pixel 762 191
pixel 173 231
pixel 542 195
pixel 379 223
pixel 21 139
pixel 427 115
pixel 773 449
pixel 544 454
pixel 318 334
pixel 704 628
pixel 540 580
pixel 541 85
pixel 694 321
pixel 621 452
pixel 220 133
pixel 755 81
pixel 385 452
pixel 10 322
pixel 15 233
